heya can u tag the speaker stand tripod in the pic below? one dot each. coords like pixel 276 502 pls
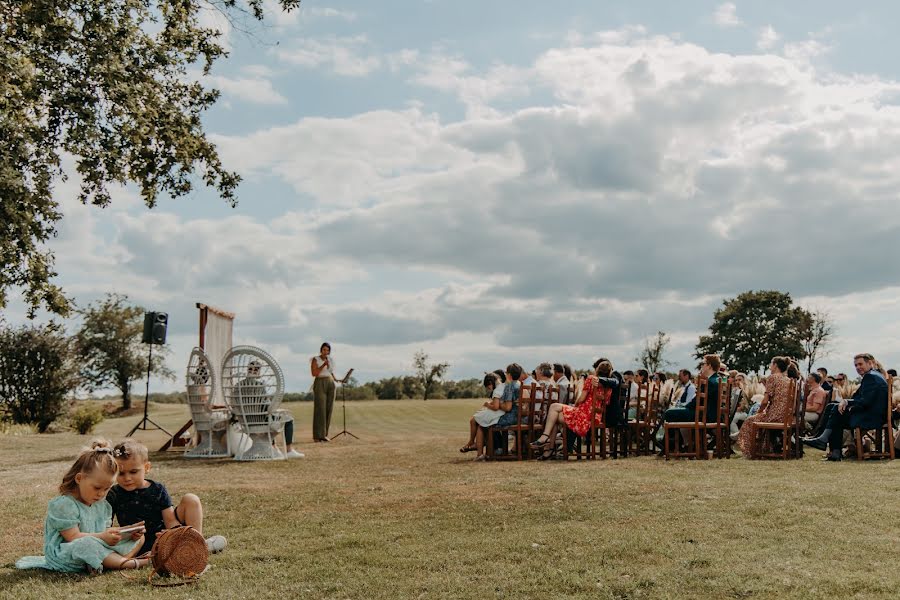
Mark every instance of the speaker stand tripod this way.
pixel 344 431
pixel 143 423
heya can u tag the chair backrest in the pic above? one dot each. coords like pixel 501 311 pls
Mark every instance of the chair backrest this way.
pixel 702 398
pixel 723 408
pixel 799 403
pixel 643 413
pixel 552 394
pixel 527 402
pixel 253 385
pixel 890 401
pixel 200 380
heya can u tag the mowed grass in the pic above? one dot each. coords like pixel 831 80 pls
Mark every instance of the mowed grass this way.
pixel 401 514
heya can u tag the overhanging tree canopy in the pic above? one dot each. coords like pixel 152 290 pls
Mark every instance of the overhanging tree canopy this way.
pixel 107 82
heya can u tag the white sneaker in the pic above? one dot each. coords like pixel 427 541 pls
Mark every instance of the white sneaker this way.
pixel 294 454
pixel 216 543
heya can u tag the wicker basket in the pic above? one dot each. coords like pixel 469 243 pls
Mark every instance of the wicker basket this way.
pixel 181 551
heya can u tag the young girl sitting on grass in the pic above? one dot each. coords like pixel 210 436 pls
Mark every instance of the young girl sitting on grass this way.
pixel 136 499
pixel 77 531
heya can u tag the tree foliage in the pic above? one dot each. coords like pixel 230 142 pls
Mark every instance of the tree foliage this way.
pixel 106 82
pixel 36 373
pixel 652 355
pixel 430 375
pixel 110 350
pixel 754 327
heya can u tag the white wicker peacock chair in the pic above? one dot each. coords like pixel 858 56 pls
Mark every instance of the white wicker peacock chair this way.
pixel 211 423
pixel 253 386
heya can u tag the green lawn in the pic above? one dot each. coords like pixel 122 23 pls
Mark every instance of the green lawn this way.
pixel 401 514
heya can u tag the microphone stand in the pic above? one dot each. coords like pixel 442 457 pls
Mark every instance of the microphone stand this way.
pixel 344 431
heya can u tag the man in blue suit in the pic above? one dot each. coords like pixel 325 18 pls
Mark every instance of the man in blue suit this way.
pixel 867 408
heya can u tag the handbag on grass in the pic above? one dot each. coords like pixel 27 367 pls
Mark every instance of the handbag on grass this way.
pixel 180 551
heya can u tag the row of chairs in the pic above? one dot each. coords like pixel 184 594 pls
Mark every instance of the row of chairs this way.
pixel 637 435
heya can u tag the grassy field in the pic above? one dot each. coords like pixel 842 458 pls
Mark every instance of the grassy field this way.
pixel 401 514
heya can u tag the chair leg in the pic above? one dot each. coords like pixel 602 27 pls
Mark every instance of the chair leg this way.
pixel 666 442
pixel 489 433
pixel 857 433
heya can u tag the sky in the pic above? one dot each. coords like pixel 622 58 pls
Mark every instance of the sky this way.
pixel 523 181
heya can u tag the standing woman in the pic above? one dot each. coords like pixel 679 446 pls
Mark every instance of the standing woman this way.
pixel 322 369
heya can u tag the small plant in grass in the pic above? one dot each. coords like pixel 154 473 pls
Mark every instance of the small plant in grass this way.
pixel 84 418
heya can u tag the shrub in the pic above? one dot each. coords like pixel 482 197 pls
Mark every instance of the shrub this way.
pixel 8 428
pixel 36 374
pixel 84 418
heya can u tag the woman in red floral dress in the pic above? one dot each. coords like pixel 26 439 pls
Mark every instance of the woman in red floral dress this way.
pixel 577 417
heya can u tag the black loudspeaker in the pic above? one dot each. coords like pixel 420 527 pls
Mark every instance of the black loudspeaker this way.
pixel 155 325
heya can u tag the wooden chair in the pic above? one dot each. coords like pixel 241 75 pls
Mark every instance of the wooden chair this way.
pixel 882 439
pixel 539 408
pixel 695 430
pixel 661 406
pixel 620 435
pixel 785 427
pixel 597 437
pixel 719 429
pixel 641 426
pixel 520 429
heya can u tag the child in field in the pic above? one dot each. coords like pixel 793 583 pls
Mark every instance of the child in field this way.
pixel 77 531
pixel 136 499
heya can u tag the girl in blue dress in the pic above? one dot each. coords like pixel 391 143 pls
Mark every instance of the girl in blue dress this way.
pixel 77 531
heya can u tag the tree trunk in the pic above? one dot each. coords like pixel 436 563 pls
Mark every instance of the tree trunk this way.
pixel 125 388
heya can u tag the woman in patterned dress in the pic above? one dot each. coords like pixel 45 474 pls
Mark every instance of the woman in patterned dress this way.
pixel 596 392
pixel 776 404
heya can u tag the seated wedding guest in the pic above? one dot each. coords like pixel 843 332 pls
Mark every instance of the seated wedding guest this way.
pixel 597 391
pixel 628 379
pixel 867 408
pixel 832 400
pixel 639 378
pixel 562 381
pixel 544 376
pixel 685 413
pixel 740 399
pixel 570 374
pixel 494 391
pixel 843 386
pixel 666 387
pixel 776 404
pixel 816 398
pixel 682 410
pixel 686 392
pixel 493 410
pixel 823 373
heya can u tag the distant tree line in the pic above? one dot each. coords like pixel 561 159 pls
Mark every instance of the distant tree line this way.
pixel 43 366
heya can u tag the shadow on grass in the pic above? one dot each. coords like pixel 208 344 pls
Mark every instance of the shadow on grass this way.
pixel 16 576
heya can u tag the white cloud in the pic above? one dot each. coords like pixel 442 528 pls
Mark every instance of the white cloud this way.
pixel 726 15
pixel 639 180
pixel 254 90
pixel 767 38
pixel 343 55
pixel 328 12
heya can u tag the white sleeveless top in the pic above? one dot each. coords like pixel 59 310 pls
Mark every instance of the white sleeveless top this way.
pixel 327 371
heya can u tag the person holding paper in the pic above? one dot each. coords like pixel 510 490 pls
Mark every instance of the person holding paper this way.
pixel 322 369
